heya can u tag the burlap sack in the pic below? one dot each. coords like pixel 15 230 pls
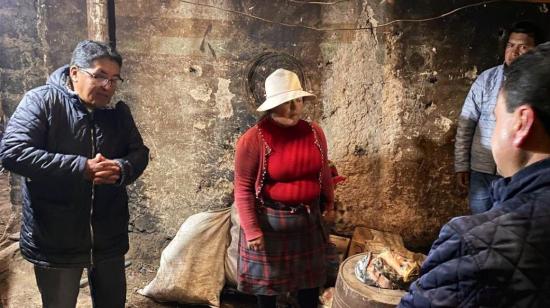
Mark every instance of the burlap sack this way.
pixel 232 250
pixel 192 266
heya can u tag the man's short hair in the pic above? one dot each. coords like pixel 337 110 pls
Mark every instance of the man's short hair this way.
pixel 526 27
pixel 87 51
pixel 527 82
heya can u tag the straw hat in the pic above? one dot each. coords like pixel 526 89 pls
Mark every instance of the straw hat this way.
pixel 280 87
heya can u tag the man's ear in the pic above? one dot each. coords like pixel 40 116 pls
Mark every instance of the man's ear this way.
pixel 524 119
pixel 72 73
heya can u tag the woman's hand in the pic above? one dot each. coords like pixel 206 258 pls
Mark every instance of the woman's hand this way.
pixel 256 244
pixel 329 216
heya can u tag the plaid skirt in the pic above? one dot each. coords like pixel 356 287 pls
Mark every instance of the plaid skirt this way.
pixel 294 254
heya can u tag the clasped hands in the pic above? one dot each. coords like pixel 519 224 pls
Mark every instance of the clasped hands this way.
pixel 101 170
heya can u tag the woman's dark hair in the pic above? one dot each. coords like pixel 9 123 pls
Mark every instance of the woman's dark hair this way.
pixel 527 82
pixel 87 51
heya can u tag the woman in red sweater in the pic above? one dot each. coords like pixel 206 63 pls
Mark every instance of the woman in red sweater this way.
pixel 281 174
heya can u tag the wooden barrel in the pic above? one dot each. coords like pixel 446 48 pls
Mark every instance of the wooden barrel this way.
pixel 352 293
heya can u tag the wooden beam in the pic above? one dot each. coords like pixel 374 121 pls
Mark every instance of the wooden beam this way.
pixel 533 1
pixel 98 20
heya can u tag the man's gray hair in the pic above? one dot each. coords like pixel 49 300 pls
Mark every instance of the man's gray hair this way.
pixel 87 51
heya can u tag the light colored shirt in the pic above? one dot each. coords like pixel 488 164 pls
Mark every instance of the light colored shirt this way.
pixel 476 124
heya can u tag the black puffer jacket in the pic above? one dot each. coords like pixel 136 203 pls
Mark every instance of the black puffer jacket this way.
pixel 500 258
pixel 67 220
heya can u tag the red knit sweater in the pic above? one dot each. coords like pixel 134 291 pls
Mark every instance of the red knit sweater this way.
pixel 251 156
pixel 294 164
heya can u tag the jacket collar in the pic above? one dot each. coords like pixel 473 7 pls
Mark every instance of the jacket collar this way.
pixel 59 80
pixel 527 180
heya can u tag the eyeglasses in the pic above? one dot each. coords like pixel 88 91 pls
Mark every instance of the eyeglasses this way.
pixel 102 80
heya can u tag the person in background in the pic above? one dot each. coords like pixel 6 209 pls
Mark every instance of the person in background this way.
pixel 281 173
pixel 474 165
pixel 76 154
pixel 501 258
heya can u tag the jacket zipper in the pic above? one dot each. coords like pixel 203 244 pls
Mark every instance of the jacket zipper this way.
pixel 93 137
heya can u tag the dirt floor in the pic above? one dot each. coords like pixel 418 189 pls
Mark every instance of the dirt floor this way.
pixel 18 286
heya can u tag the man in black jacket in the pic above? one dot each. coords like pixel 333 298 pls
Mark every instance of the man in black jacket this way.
pixel 76 154
pixel 501 258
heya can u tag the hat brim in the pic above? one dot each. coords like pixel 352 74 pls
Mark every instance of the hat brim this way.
pixel 282 98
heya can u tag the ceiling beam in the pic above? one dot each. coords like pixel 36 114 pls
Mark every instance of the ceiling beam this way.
pixel 534 1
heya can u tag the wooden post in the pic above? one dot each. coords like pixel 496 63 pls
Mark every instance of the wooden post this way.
pixel 534 1
pixel 101 21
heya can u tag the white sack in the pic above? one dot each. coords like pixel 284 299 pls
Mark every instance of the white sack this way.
pixel 192 266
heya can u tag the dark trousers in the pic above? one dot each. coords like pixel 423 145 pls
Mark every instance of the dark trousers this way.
pixel 59 287
pixel 307 298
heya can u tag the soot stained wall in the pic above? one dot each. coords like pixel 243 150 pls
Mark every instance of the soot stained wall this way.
pixel 388 98
pixel 391 100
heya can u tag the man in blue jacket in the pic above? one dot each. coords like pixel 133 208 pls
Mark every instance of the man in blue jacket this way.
pixel 501 258
pixel 76 154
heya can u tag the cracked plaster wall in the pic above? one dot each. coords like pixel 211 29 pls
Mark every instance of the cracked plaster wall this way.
pixel 389 98
pixel 185 67
pixel 185 70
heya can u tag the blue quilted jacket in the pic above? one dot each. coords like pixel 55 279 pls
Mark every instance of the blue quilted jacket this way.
pixel 67 221
pixel 500 258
